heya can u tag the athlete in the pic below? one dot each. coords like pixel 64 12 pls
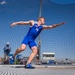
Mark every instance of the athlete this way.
pixel 29 39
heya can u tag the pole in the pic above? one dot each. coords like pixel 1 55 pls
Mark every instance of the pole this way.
pixel 39 40
pixel 40 11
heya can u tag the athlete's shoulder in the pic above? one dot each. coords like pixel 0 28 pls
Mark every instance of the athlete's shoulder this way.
pixel 35 22
pixel 31 22
pixel 44 26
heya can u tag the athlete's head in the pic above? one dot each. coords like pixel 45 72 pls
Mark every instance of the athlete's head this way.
pixel 41 20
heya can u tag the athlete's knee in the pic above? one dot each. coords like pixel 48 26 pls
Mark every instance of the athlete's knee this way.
pixel 23 47
pixel 20 49
pixel 34 49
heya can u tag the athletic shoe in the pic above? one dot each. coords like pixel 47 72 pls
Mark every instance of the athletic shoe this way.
pixel 29 66
pixel 13 58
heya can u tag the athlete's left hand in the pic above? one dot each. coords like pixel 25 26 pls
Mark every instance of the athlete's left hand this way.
pixel 62 23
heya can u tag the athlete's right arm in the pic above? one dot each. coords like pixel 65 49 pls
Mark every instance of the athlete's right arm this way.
pixel 31 23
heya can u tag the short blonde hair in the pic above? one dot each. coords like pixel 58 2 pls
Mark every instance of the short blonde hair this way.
pixel 40 18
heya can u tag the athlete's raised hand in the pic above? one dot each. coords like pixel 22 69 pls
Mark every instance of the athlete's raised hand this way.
pixel 13 24
pixel 62 23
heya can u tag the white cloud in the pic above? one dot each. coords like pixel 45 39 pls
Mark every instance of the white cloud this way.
pixel 3 2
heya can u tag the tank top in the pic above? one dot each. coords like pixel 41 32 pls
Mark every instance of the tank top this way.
pixel 34 31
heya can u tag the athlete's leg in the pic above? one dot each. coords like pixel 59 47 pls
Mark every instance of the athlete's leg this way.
pixel 22 48
pixel 33 54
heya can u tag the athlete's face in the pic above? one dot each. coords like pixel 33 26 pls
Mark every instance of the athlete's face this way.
pixel 42 20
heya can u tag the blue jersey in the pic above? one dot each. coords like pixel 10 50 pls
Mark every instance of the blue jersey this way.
pixel 34 31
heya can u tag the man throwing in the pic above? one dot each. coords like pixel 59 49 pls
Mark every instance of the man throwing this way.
pixel 29 39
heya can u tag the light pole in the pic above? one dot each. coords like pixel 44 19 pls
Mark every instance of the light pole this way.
pixel 39 40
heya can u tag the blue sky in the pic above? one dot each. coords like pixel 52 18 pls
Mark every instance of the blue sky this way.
pixel 60 40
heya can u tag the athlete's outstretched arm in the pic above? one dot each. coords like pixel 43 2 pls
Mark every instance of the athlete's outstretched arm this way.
pixel 53 26
pixel 31 22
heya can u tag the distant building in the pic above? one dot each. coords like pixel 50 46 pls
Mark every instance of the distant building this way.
pixel 48 58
